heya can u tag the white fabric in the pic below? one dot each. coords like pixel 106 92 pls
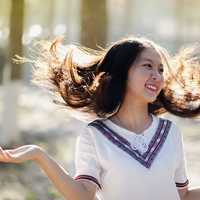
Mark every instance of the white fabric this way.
pixel 121 176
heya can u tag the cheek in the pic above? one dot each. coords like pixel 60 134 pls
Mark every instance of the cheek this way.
pixel 138 76
pixel 137 79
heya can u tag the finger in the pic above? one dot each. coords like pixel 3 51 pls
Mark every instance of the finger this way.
pixel 8 154
pixel 13 157
pixel 19 149
pixel 11 153
pixel 1 150
pixel 5 157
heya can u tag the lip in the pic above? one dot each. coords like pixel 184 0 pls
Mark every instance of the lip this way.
pixel 152 87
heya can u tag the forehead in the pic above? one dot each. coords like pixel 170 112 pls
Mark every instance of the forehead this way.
pixel 150 54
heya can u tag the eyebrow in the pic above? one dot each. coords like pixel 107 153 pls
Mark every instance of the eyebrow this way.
pixel 148 59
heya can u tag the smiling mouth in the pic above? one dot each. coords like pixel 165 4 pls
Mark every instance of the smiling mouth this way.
pixel 151 88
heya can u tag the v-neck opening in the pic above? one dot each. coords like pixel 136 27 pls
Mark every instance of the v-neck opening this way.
pixel 157 141
pixel 122 130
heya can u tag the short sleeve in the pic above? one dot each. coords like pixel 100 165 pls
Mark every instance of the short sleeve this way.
pixel 180 177
pixel 86 161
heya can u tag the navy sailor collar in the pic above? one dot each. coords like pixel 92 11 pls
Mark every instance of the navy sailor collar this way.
pixel 154 146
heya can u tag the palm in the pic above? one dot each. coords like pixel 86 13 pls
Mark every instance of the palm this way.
pixel 18 155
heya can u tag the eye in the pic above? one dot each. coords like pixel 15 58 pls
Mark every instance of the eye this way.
pixel 161 70
pixel 148 66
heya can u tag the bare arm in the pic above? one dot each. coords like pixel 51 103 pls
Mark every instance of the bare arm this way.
pixel 190 194
pixel 67 186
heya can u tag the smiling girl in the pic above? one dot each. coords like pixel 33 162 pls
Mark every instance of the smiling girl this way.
pixel 128 151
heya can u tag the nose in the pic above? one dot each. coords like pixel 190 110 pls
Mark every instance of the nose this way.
pixel 156 76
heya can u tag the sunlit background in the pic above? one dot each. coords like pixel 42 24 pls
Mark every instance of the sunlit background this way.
pixel 27 114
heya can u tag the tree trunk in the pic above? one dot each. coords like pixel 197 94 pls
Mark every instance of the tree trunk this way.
pixel 179 17
pixel 10 132
pixel 16 33
pixel 93 23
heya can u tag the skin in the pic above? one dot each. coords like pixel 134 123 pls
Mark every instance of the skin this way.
pixel 132 115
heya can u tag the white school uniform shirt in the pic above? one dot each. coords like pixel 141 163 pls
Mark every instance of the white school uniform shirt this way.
pixel 125 167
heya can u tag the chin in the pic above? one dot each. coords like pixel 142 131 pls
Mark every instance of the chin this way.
pixel 150 99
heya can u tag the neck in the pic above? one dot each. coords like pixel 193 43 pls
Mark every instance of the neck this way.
pixel 133 116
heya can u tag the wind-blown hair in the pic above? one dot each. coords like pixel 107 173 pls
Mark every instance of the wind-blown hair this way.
pixel 95 81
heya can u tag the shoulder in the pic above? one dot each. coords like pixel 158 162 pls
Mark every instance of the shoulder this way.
pixel 90 126
pixel 172 122
pixel 174 128
pixel 89 131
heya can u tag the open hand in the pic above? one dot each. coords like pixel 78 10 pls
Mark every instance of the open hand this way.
pixel 20 154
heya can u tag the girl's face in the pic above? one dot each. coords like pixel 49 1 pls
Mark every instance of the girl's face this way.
pixel 145 77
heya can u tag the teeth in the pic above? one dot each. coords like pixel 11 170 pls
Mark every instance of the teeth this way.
pixel 151 87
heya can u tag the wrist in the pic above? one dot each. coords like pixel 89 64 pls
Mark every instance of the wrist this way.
pixel 39 155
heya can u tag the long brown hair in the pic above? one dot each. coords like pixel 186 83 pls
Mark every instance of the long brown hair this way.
pixel 98 86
